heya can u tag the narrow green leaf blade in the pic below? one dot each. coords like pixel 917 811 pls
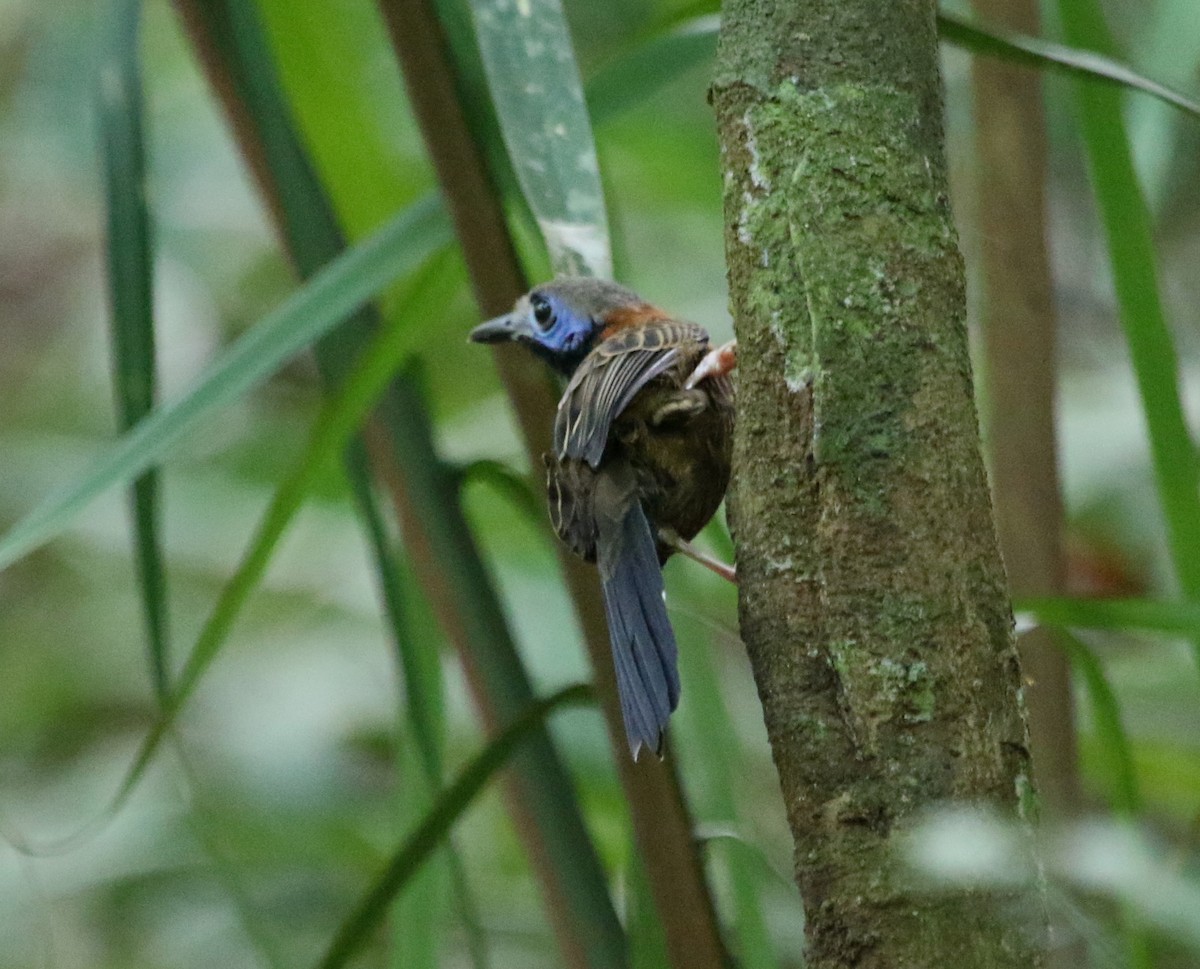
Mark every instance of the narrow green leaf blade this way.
pixel 348 116
pixel 507 483
pixel 636 73
pixel 354 158
pixel 1147 615
pixel 661 58
pixel 708 720
pixel 1043 53
pixel 1166 48
pixel 337 423
pixel 332 295
pixel 1121 779
pixel 1127 228
pixel 647 940
pixel 130 266
pixel 578 891
pixel 438 822
pixel 534 81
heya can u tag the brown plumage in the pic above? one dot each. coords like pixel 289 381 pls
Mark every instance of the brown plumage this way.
pixel 676 442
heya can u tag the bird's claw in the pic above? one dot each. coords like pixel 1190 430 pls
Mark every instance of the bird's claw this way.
pixel 715 363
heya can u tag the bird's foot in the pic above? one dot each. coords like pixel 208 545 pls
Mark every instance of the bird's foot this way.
pixel 715 363
pixel 688 550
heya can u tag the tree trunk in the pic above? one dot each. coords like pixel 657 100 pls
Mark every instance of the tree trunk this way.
pixel 873 599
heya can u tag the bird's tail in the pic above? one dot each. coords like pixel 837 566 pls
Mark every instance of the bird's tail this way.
pixel 643 643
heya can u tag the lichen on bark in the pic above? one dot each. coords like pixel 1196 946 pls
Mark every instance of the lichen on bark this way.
pixel 873 600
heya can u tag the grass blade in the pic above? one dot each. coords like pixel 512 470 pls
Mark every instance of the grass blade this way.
pixel 354 159
pixel 338 421
pixel 661 58
pixel 438 822
pixel 1165 47
pixel 1127 228
pixel 714 768
pixel 546 128
pixel 1123 796
pixel 445 559
pixel 461 590
pixel 347 118
pixel 130 265
pixel 315 308
pixel 660 818
pixel 335 426
pixel 647 940
pixel 508 484
pixel 1078 60
pixel 634 75
pixel 416 919
pixel 1168 618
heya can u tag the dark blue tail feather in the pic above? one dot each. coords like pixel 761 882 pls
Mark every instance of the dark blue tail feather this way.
pixel 643 643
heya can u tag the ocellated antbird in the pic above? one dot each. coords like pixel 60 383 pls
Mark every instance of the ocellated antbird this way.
pixel 641 460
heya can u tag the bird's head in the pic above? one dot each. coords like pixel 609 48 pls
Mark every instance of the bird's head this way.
pixel 563 319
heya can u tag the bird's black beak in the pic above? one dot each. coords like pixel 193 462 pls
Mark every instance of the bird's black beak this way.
pixel 495 331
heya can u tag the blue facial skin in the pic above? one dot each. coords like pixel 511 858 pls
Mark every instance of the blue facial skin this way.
pixel 558 334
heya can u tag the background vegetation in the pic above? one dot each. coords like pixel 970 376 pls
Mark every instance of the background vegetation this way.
pixel 296 770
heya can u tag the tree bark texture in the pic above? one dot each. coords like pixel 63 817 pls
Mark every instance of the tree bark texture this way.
pixel 873 603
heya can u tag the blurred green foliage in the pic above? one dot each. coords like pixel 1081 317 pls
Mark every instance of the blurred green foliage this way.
pixel 249 840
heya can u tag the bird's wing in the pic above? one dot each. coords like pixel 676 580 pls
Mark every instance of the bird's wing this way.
pixel 570 491
pixel 609 378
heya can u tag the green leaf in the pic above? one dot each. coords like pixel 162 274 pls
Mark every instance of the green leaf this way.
pixel 707 719
pixel 338 421
pixel 1171 618
pixel 535 86
pixel 130 264
pixel 710 834
pixel 631 77
pixel 351 117
pixel 659 59
pixel 417 917
pixel 1043 53
pixel 430 489
pixel 690 41
pixel 579 892
pixel 509 484
pixel 1106 715
pixel 407 860
pixel 1127 228
pixel 1122 781
pixel 318 306
pixel 1166 47
pixel 342 118
pixel 647 939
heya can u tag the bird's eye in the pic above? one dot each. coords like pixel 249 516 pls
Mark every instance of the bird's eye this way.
pixel 543 314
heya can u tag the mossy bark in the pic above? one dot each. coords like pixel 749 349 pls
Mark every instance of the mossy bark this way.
pixel 873 600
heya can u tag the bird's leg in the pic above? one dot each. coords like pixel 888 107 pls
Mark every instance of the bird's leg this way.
pixel 715 363
pixel 685 548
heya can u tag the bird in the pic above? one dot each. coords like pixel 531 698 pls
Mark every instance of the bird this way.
pixel 642 449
